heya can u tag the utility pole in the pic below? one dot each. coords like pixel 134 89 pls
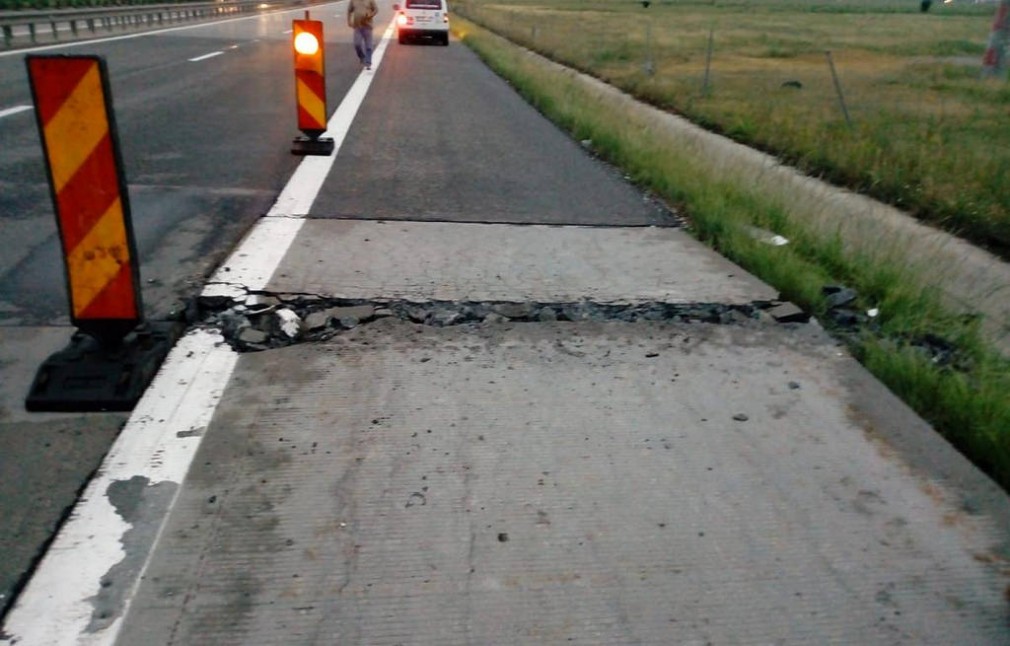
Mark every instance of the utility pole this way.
pixel 994 63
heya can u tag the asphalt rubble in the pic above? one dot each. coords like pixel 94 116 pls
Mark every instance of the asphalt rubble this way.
pixel 265 321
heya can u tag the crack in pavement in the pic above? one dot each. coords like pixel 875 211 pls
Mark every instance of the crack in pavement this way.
pixel 265 321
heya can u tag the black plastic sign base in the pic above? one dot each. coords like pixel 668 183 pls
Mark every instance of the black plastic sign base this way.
pixel 89 376
pixel 312 146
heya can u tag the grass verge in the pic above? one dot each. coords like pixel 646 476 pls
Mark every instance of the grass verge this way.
pixel 926 134
pixel 963 394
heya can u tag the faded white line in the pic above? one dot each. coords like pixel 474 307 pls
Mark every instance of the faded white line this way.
pixel 15 110
pixel 250 267
pixel 161 438
pixel 158 445
pixel 205 57
pixel 203 25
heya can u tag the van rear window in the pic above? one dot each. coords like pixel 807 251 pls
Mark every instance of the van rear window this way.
pixel 423 4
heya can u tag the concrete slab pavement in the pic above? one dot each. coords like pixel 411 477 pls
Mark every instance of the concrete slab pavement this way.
pixel 425 261
pixel 568 482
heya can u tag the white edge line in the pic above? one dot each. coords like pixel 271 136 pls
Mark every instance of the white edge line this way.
pixel 96 41
pixel 252 264
pixel 205 57
pixel 158 443
pixel 161 437
pixel 15 110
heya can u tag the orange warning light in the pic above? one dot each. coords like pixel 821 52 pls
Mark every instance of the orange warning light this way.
pixel 75 119
pixel 310 76
pixel 306 44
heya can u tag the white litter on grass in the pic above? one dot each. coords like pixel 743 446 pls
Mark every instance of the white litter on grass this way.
pixel 873 313
pixel 767 237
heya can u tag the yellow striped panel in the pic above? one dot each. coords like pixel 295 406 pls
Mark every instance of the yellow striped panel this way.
pixel 311 103
pixel 94 263
pixel 76 129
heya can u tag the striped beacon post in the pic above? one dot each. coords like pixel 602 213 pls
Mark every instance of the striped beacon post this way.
pixel 115 353
pixel 310 88
pixel 89 192
pixel 994 61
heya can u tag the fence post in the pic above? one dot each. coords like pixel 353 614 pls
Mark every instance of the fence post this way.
pixel 649 67
pixel 838 88
pixel 708 62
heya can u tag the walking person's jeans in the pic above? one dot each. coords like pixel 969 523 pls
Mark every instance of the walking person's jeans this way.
pixel 363 44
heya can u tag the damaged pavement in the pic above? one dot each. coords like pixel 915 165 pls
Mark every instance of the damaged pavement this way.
pixel 624 438
pixel 436 437
pixel 266 321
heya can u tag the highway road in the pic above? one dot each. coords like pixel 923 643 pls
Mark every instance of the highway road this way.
pixel 205 118
pixel 554 416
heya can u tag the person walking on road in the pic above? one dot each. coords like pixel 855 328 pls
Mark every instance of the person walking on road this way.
pixel 359 18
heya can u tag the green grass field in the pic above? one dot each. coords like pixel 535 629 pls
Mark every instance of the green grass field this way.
pixel 926 133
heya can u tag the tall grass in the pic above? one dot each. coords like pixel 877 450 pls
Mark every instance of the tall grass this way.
pixel 927 134
pixel 965 399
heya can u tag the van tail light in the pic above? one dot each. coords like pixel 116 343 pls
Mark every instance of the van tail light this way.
pixel 401 19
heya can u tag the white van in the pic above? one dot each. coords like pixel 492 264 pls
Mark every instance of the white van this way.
pixel 422 19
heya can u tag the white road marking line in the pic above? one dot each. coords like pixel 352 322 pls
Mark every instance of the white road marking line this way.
pixel 96 41
pixel 287 31
pixel 159 442
pixel 205 57
pixel 233 47
pixel 15 110
pixel 251 265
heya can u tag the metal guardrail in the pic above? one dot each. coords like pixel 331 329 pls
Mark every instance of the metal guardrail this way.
pixel 23 28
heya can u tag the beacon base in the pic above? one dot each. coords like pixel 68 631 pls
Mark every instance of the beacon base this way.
pixel 310 146
pixel 88 376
